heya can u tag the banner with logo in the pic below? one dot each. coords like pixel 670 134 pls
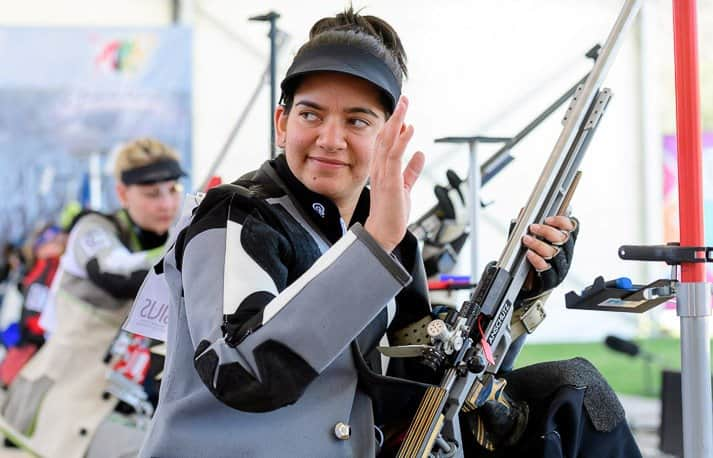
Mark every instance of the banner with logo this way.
pixel 72 95
pixel 671 228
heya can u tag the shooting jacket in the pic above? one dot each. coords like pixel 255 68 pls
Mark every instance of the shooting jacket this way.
pixel 58 395
pixel 276 311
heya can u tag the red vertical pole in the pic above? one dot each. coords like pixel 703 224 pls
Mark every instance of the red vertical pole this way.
pixel 688 133
pixel 693 295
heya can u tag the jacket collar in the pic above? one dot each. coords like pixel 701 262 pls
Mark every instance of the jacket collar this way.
pixel 320 209
pixel 136 238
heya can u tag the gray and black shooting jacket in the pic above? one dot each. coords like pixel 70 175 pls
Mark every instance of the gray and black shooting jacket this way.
pixel 277 307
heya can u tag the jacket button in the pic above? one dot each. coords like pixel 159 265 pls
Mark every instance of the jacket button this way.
pixel 343 431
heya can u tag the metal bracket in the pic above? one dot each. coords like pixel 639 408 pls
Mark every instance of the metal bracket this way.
pixel 693 300
pixel 637 299
pixel 572 103
pixel 533 316
pixel 600 105
pixel 671 254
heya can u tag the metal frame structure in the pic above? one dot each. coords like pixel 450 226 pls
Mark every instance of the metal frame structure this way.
pixel 480 175
pixel 277 42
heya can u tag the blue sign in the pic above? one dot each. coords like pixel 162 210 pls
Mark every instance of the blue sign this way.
pixel 69 93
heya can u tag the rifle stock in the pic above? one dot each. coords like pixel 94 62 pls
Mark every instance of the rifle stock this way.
pixel 479 333
pixel 426 424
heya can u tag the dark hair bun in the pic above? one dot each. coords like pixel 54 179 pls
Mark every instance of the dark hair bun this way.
pixel 352 21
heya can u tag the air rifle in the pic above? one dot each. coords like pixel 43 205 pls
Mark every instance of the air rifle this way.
pixel 470 344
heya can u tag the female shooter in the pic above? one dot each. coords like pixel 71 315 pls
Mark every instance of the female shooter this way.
pixel 286 281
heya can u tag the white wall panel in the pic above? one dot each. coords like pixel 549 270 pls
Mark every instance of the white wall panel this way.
pixel 477 67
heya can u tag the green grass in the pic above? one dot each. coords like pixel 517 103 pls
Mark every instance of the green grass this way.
pixel 625 374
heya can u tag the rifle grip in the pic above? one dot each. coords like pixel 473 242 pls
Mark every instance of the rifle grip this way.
pixel 425 426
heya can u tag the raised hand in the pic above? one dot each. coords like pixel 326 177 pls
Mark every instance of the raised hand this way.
pixel 390 187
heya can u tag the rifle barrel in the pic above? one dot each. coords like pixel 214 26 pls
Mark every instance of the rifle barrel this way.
pixel 513 253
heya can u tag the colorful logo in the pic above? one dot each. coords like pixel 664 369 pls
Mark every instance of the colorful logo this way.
pixel 319 208
pixel 124 56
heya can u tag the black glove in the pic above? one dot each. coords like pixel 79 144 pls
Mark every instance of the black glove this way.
pixel 541 282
